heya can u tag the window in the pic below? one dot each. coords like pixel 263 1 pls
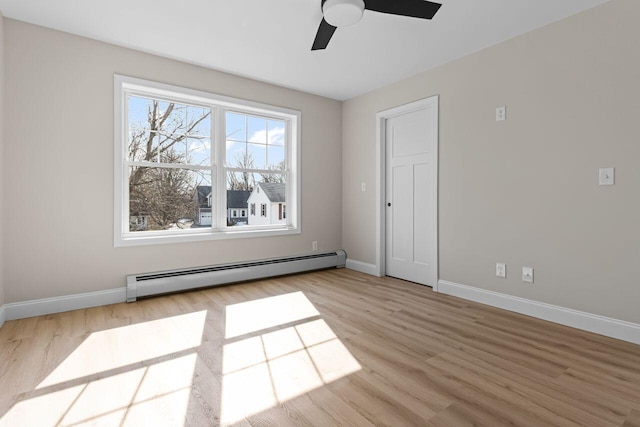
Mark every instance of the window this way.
pixel 184 155
pixel 139 221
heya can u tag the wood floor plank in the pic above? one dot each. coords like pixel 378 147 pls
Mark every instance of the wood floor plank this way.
pixel 375 405
pixel 371 351
pixel 600 405
pixel 633 420
pixel 596 385
pixel 457 415
pixel 18 329
pixel 340 411
pixel 547 408
pixel 484 340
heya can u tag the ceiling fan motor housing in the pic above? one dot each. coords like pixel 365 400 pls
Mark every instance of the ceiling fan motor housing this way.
pixel 341 13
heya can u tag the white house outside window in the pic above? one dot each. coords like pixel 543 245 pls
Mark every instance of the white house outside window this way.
pixel 189 161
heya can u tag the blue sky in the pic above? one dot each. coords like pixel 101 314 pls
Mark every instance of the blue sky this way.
pixel 262 138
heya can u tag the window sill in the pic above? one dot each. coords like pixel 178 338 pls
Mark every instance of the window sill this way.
pixel 136 239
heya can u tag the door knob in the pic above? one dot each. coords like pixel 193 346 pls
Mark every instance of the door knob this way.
pixel 389 204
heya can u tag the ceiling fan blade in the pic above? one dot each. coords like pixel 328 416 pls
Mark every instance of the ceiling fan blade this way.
pixel 324 34
pixel 414 8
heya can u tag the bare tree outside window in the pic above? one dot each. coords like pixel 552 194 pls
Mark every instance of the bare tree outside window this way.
pixel 242 181
pixel 166 134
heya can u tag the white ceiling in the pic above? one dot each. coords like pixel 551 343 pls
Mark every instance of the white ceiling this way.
pixel 270 40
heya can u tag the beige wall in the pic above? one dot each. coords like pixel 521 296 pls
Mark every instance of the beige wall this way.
pixel 525 191
pixel 2 240
pixel 59 160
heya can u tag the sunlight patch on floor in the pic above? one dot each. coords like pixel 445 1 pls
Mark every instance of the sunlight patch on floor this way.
pixel 261 371
pixel 135 375
pixel 265 313
pixel 125 346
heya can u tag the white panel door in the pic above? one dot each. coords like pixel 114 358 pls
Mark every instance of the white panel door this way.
pixel 411 194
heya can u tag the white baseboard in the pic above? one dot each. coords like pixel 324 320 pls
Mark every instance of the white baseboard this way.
pixel 362 267
pixel 2 315
pixel 39 307
pixel 602 325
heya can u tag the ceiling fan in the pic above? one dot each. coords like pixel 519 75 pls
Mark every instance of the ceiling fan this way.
pixel 341 13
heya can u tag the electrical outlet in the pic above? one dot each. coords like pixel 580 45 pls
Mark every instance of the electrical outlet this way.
pixel 527 274
pixel 314 245
pixel 501 113
pixel 501 270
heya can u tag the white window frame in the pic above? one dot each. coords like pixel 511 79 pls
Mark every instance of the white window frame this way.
pixel 125 86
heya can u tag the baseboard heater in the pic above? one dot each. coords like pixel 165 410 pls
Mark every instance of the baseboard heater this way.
pixel 163 282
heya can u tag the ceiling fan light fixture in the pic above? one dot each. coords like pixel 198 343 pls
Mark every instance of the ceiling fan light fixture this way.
pixel 341 13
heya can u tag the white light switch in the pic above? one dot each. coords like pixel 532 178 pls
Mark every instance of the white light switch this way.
pixel 607 176
pixel 501 113
pixel 527 274
pixel 363 186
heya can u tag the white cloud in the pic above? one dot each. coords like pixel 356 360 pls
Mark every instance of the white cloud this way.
pixel 276 136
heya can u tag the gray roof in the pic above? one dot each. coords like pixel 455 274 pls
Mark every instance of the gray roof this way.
pixel 274 191
pixel 237 199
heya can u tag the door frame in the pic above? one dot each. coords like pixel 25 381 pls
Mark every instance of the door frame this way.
pixel 381 162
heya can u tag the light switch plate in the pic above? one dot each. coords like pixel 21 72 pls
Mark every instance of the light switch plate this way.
pixel 607 176
pixel 527 274
pixel 501 113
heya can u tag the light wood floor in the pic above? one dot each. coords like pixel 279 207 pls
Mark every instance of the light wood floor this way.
pixel 334 347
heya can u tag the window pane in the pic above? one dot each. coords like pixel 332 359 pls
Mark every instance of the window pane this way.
pixel 199 151
pixel 168 199
pixel 157 132
pixel 243 181
pixel 170 117
pixel 199 121
pixel 264 146
pixel 237 155
pixel 139 109
pixel 261 196
pixel 236 126
pixel 257 130
pixel 143 145
pixel 172 148
pixel 276 132
pixel 276 157
pixel 257 155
